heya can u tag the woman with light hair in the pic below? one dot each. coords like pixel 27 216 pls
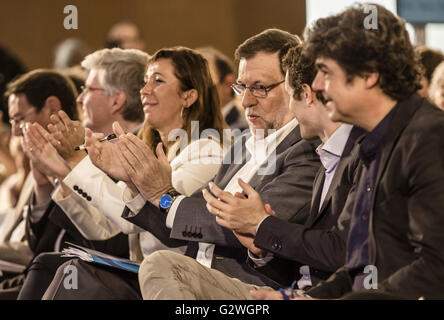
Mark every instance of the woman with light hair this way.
pixel 436 90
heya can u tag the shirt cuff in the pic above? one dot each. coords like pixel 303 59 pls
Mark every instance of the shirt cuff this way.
pixel 260 262
pixel 37 211
pixel 134 204
pixel 172 212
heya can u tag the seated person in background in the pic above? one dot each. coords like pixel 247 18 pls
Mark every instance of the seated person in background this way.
pixel 436 90
pixel 319 242
pixel 32 97
pixel 222 72
pixel 111 93
pixel 395 246
pixel 10 188
pixel 274 160
pixel 125 35
pixel 178 96
pixel 430 59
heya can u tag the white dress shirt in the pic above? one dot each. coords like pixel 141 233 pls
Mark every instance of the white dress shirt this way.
pixel 260 150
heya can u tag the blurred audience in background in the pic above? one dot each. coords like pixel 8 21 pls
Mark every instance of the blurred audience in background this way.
pixel 125 35
pixel 430 59
pixel 436 90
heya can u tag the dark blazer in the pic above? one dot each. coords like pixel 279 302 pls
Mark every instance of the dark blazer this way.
pixel 406 238
pixel 288 190
pixel 42 235
pixel 320 241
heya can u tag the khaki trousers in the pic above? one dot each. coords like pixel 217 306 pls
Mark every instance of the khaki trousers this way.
pixel 166 275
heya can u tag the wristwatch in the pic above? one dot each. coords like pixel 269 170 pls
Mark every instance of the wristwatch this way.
pixel 167 199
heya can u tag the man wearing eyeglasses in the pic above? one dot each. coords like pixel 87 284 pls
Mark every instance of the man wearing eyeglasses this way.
pixel 275 135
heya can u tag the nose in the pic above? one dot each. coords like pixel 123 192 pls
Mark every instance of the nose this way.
pixel 80 98
pixel 146 89
pixel 318 82
pixel 248 99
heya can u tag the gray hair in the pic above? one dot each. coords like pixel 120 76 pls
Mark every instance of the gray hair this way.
pixel 121 70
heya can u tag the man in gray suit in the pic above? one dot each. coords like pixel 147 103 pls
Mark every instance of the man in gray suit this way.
pixel 287 186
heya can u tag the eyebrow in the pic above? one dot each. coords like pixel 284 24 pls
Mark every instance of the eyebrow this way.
pixel 320 65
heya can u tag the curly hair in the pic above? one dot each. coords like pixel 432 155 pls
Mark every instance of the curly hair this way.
pixel 300 67
pixel 386 50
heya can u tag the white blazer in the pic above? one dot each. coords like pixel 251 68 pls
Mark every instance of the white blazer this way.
pixel 96 203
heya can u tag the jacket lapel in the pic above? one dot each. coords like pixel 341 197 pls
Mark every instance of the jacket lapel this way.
pixel 401 118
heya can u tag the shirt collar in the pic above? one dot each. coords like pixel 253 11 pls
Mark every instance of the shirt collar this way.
pixel 262 148
pixel 372 143
pixel 330 152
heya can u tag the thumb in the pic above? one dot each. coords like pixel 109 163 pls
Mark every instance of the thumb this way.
pixel 268 210
pixel 118 129
pixel 160 154
pixel 249 191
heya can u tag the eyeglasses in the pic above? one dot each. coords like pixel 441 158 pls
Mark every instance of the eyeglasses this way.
pixel 258 91
pixel 85 89
pixel 19 118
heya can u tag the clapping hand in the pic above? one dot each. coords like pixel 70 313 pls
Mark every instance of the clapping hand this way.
pixel 67 134
pixel 42 153
pixel 240 215
pixel 150 174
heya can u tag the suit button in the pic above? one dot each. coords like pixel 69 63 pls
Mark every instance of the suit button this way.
pixel 276 245
pixel 199 235
pixel 84 194
pixel 189 234
pixel 80 191
pixel 88 198
pixel 76 188
pixel 184 233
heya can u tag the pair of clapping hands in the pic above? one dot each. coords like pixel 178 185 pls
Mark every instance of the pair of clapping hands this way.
pixel 52 152
pixel 242 215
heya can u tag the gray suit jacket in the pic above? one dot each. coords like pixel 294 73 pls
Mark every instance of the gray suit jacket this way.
pixel 288 190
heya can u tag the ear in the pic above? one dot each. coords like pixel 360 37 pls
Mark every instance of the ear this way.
pixel 52 105
pixel 307 94
pixel 190 97
pixel 371 79
pixel 118 102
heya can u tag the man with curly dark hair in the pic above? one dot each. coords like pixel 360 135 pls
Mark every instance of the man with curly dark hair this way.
pixel 369 78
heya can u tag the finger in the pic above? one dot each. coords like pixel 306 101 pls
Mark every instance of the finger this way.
pixel 66 120
pixel 223 195
pixel 268 210
pixel 147 152
pixel 57 122
pixel 138 152
pixel 239 195
pixel 217 206
pixel 130 170
pixel 118 129
pixel 249 191
pixel 52 128
pixel 132 157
